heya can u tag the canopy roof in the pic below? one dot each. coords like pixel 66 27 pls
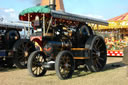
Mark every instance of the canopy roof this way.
pixel 122 17
pixel 36 9
pixel 30 13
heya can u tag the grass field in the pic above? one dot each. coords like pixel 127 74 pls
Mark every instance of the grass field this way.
pixel 114 74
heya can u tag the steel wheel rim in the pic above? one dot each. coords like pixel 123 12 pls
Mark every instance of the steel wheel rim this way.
pixel 99 54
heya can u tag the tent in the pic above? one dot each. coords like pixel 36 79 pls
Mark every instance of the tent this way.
pixel 119 21
pixel 116 23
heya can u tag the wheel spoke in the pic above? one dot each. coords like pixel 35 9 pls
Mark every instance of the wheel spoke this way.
pixel 37 58
pixel 100 46
pixel 94 50
pixel 94 53
pixel 61 70
pixel 34 69
pixel 101 58
pixel 95 47
pixel 96 64
pixel 99 63
pixel 41 68
pixel 38 70
pixel 97 42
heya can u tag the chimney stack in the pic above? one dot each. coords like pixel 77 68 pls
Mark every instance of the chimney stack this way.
pixel 54 4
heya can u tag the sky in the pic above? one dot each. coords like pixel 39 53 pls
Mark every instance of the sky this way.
pixel 101 9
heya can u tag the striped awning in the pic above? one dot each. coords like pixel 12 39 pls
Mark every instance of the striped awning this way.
pixel 118 22
pixel 122 17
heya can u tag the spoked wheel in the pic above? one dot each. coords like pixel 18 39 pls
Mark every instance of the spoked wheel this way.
pixel 35 64
pixel 97 53
pixel 22 49
pixel 64 65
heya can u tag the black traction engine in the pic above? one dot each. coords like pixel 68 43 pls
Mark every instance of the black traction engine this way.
pixel 66 42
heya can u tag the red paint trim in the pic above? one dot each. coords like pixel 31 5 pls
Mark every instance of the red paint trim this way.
pixel 115 53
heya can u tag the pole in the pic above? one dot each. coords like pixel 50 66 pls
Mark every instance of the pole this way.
pixel 52 4
pixel 24 31
pixel 43 24
pixel 28 25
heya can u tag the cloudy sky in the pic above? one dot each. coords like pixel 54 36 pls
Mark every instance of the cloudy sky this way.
pixel 103 9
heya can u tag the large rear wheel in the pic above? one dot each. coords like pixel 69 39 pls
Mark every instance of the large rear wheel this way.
pixel 22 49
pixel 64 65
pixel 35 64
pixel 97 53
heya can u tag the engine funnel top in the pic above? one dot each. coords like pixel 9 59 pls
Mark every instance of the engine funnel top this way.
pixel 58 4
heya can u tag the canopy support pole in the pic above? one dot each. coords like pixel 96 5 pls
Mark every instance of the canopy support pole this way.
pixel 43 24
pixel 24 31
pixel 29 25
pixel 49 25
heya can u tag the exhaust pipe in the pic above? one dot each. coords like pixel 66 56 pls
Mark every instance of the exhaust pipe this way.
pixel 52 4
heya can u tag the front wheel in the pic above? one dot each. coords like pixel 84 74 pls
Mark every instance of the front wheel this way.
pixel 64 65
pixel 35 64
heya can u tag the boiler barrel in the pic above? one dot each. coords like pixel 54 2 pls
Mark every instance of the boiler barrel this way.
pixel 60 44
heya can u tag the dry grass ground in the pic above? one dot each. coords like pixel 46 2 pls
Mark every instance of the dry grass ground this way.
pixel 111 75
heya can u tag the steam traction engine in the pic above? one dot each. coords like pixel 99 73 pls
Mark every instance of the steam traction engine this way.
pixel 65 40
pixel 13 49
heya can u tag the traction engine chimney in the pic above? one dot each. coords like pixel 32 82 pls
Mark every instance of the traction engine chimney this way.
pixel 52 4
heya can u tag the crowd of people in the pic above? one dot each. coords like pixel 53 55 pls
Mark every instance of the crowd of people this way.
pixel 116 44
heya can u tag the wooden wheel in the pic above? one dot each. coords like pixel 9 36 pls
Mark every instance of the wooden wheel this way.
pixel 35 64
pixel 64 65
